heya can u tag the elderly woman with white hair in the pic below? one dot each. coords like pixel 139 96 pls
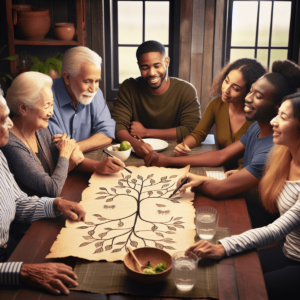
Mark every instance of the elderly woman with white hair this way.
pixel 39 166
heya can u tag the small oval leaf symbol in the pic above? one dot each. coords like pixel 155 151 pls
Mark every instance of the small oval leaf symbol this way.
pixel 84 244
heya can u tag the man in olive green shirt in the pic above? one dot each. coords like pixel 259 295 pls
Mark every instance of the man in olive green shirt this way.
pixel 154 105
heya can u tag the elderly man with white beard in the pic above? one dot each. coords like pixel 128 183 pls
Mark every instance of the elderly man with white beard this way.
pixel 80 110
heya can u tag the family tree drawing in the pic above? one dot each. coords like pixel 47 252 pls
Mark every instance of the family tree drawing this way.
pixel 129 210
pixel 138 227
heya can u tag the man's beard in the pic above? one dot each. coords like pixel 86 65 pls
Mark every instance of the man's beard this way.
pixel 81 97
pixel 161 81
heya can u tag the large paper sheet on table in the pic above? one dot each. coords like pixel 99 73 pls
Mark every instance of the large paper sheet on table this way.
pixel 129 210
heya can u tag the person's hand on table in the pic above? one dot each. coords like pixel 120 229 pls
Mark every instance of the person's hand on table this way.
pixel 77 155
pixel 181 149
pixel 110 165
pixel 155 159
pixel 136 128
pixel 228 173
pixel 49 276
pixel 205 249
pixel 193 181
pixel 70 209
pixel 141 149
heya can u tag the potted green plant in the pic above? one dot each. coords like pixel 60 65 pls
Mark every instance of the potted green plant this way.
pixel 5 78
pixel 51 66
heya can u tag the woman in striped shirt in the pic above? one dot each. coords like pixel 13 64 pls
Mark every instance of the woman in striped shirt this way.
pixel 280 192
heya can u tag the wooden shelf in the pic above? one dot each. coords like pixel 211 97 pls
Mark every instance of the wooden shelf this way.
pixel 80 31
pixel 46 42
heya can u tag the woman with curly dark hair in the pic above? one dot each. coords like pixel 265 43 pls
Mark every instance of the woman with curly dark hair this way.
pixel 231 86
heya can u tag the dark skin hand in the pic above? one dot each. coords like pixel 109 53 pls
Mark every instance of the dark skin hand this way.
pixel 49 276
pixel 208 159
pixel 141 149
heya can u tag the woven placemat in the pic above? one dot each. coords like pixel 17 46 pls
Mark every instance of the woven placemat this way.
pixel 136 161
pixel 109 278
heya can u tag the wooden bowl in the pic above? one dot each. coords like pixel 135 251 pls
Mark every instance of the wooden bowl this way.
pixel 144 255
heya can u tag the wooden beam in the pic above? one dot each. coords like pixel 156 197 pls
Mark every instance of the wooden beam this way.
pixel 186 15
pixel 197 44
pixel 208 52
pixel 219 37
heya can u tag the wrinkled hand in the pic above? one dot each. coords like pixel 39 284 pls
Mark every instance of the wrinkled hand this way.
pixel 136 128
pixel 110 165
pixel 142 149
pixel 228 173
pixel 206 249
pixel 49 276
pixel 155 159
pixel 193 181
pixel 77 155
pixel 66 146
pixel 71 209
pixel 181 150
pixel 57 137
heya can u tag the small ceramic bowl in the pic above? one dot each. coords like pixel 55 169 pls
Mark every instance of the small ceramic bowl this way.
pixel 145 254
pixel 122 155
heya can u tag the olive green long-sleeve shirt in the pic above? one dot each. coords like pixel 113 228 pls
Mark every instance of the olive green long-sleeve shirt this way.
pixel 177 107
pixel 217 113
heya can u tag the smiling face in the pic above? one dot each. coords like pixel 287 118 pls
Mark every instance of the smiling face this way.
pixel 234 87
pixel 285 126
pixel 259 103
pixel 153 67
pixel 84 86
pixel 38 116
pixel 5 122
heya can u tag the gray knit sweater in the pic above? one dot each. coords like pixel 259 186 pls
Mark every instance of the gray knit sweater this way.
pixel 30 176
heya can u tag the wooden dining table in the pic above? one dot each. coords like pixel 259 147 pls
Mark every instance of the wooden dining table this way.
pixel 239 276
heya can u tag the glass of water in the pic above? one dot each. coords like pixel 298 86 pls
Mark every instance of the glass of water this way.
pixel 184 270
pixel 206 222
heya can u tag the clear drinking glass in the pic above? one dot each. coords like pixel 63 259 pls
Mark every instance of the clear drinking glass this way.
pixel 184 270
pixel 206 222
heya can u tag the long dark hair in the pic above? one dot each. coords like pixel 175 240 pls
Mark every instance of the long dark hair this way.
pixel 249 67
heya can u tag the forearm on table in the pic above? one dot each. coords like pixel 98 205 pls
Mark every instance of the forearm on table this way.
pixel 234 184
pixel 206 159
pixel 165 134
pixel 87 166
pixel 190 141
pixel 94 142
pixel 10 273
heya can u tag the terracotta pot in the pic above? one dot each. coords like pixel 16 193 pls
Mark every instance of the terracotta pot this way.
pixel 32 23
pixel 64 31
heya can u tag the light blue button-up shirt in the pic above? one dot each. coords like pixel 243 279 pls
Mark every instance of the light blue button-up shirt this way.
pixel 83 121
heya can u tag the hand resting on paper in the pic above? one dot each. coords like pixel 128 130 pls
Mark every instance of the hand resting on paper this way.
pixel 205 249
pixel 49 276
pixel 71 209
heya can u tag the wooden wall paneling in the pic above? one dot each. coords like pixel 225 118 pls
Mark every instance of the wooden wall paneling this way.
pixel 186 16
pixel 97 36
pixel 219 37
pixel 208 52
pixel 88 23
pixel 197 44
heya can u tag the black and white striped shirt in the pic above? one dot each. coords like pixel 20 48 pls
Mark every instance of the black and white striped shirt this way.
pixel 14 204
pixel 287 225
